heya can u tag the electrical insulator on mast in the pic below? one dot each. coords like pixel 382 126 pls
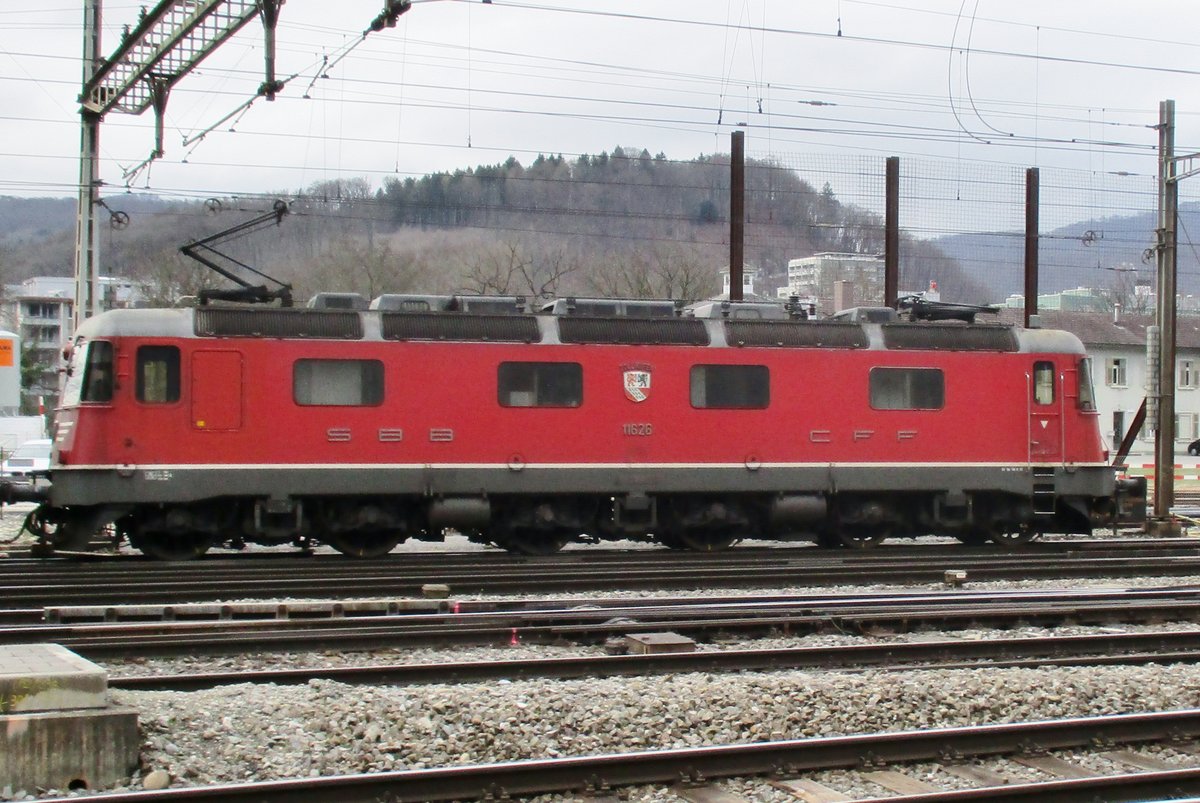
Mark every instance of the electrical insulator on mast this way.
pixel 1153 366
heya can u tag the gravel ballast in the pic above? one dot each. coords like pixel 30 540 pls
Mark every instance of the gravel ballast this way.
pixel 247 732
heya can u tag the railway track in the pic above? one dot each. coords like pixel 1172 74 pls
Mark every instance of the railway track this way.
pixel 533 623
pixel 1107 649
pixel 555 621
pixel 597 776
pixel 31 585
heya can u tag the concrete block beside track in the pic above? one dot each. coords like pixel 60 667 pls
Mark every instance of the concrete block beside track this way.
pixel 48 677
pixel 59 731
pixel 658 643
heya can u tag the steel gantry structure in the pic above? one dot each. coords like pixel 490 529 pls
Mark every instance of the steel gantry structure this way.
pixel 165 45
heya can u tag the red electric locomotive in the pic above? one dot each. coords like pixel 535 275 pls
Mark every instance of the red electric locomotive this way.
pixel 360 428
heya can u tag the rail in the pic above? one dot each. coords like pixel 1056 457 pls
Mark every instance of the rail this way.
pixel 593 625
pixel 28 584
pixel 1106 649
pixel 595 774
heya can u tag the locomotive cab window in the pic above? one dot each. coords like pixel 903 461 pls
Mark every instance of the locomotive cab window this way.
pixel 158 374
pixel 907 389
pixel 731 387
pixel 1043 383
pixel 1087 393
pixel 338 383
pixel 540 384
pixel 98 372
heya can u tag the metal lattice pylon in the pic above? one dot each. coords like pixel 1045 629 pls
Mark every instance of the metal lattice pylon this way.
pixel 167 43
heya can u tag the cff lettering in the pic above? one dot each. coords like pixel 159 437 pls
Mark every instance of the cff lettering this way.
pixel 856 436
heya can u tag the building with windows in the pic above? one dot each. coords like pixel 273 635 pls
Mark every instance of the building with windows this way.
pixel 40 310
pixel 836 281
pixel 1080 299
pixel 749 280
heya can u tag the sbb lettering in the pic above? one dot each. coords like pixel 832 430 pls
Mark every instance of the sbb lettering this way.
pixel 346 434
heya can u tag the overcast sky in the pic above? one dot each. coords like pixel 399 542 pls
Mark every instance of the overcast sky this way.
pixel 1052 83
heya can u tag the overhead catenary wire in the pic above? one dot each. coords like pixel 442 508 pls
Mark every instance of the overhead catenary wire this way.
pixel 778 87
pixel 868 128
pixel 873 40
pixel 763 28
pixel 784 131
pixel 1123 36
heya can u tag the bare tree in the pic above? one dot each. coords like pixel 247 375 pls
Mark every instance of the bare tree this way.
pixel 684 271
pixel 1123 290
pixel 497 269
pixel 547 273
pixel 511 268
pixel 166 276
pixel 355 265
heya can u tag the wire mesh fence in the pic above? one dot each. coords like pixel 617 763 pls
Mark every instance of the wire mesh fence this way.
pixel 628 223
pixel 963 226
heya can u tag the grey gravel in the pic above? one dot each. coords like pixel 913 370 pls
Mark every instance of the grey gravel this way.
pixel 325 727
pixel 259 732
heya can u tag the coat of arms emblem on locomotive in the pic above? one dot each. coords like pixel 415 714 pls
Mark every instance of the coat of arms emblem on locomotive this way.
pixel 637 382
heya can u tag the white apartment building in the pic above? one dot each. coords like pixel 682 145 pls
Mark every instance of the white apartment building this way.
pixel 41 311
pixel 834 281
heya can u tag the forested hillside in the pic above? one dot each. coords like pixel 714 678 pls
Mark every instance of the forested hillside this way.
pixel 623 223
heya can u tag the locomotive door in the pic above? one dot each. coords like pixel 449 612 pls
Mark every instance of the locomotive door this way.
pixel 1045 414
pixel 217 390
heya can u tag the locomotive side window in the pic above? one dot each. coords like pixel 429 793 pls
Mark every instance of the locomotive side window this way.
pixel 98 372
pixel 338 383
pixel 1087 393
pixel 907 389
pixel 1043 383
pixel 540 384
pixel 158 374
pixel 735 387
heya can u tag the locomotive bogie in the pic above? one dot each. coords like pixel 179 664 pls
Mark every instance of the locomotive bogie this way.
pixel 364 429
pixel 371 526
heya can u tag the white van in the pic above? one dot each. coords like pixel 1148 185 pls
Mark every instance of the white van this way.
pixel 27 458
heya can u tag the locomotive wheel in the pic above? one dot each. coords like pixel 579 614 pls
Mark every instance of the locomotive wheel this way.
pixel 827 539
pixel 705 541
pixel 861 539
pixel 172 546
pixel 534 542
pixel 670 540
pixel 1014 537
pixel 369 544
pixel 70 532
